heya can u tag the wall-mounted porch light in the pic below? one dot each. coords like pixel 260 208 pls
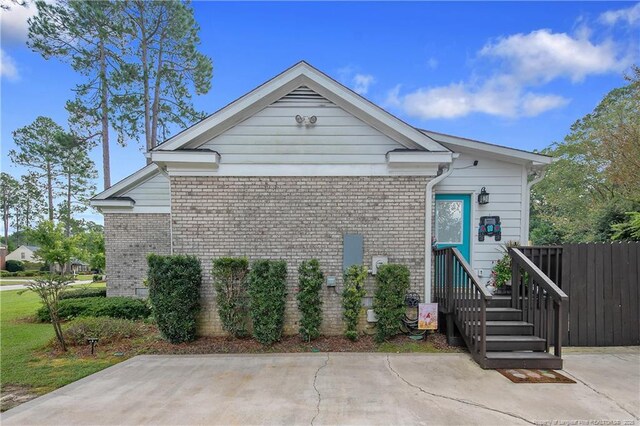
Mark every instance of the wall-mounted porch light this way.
pixel 483 197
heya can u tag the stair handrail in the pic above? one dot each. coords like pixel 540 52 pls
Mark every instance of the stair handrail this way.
pixel 551 287
pixel 541 301
pixel 469 310
pixel 474 277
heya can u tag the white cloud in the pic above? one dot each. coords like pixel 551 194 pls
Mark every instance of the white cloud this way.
pixel 497 96
pixel 8 67
pixel 13 22
pixel 361 83
pixel 630 16
pixel 542 56
pixel 526 62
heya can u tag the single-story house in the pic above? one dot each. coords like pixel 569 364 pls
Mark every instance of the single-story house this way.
pixel 24 254
pixel 302 167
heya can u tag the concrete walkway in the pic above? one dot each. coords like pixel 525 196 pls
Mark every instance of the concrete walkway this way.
pixel 22 287
pixel 327 389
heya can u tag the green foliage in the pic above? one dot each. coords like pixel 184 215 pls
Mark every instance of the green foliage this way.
pixel 106 330
pixel 311 280
pixel 629 229
pixel 83 293
pixel 8 200
pixel 114 307
pixel 96 278
pixel 392 286
pixel 354 278
pixel 596 176
pixel 230 282
pixel 55 247
pixel 268 292
pixel 14 265
pixel 49 289
pixel 174 292
pixel 501 272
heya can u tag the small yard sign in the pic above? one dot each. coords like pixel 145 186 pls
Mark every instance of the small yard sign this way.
pixel 428 316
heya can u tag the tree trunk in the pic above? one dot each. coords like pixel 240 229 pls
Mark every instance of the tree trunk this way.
pixel 145 79
pixel 50 190
pixel 68 224
pixel 104 106
pixel 5 218
pixel 156 96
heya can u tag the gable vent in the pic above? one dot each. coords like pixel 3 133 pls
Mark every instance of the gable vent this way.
pixel 302 96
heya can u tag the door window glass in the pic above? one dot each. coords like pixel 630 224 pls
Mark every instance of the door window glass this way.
pixel 449 221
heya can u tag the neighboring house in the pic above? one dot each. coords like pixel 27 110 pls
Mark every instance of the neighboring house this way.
pixel 24 254
pixel 302 167
pixel 76 266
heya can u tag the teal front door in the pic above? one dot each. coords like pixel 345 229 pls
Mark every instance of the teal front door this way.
pixel 453 222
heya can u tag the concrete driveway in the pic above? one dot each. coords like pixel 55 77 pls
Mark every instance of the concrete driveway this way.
pixel 338 389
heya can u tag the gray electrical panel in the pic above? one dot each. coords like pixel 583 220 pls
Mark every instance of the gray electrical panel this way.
pixel 352 250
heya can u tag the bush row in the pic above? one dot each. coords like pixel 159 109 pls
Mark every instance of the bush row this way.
pixel 107 330
pixel 115 307
pixel 83 293
pixel 7 274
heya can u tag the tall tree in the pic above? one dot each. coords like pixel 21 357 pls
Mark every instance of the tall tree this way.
pixel 87 34
pixel 164 68
pixel 38 149
pixel 77 172
pixel 31 201
pixel 595 179
pixel 8 198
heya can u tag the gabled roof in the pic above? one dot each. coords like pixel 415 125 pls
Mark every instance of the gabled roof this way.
pixel 33 248
pixel 129 182
pixel 503 152
pixel 301 74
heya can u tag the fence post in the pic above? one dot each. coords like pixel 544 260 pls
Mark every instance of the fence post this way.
pixel 515 281
pixel 558 331
pixel 449 279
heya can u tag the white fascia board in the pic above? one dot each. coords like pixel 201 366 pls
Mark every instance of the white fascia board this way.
pixel 301 74
pixel 418 157
pixel 210 158
pixel 118 203
pixel 505 153
pixel 128 182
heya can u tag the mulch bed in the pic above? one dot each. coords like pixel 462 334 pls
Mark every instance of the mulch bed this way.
pixel 14 395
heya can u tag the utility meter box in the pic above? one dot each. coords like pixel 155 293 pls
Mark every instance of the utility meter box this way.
pixel 376 262
pixel 371 316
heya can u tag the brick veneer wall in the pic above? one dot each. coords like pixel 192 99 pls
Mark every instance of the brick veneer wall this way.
pixel 128 240
pixel 297 218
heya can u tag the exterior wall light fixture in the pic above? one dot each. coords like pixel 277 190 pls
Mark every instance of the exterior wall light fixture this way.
pixel 307 121
pixel 483 197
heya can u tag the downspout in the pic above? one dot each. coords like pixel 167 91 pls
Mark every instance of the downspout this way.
pixel 428 228
pixel 528 203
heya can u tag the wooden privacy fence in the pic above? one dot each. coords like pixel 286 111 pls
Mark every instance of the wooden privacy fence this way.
pixel 602 281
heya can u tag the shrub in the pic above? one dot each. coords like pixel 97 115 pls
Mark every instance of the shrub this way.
pixel 230 282
pixel 115 307
pixel 267 292
pixel 174 292
pixel 311 280
pixel 388 303
pixel 97 277
pixel 107 330
pixel 354 278
pixel 85 292
pixel 14 265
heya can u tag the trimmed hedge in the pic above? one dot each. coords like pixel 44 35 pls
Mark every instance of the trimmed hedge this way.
pixel 81 294
pixel 354 278
pixel 310 279
pixel 27 274
pixel 14 265
pixel 107 330
pixel 389 299
pixel 174 292
pixel 268 292
pixel 114 307
pixel 230 282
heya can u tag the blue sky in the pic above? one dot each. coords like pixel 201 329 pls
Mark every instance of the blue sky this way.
pixel 517 74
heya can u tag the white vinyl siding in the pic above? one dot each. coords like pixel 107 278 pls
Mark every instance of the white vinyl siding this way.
pixel 152 193
pixel 272 136
pixel 505 183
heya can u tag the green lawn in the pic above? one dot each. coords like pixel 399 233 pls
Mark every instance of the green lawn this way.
pixel 24 356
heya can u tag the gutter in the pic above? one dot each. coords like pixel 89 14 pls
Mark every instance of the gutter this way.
pixel 527 221
pixel 428 218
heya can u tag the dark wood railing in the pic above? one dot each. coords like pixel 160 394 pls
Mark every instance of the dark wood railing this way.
pixel 459 292
pixel 539 298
